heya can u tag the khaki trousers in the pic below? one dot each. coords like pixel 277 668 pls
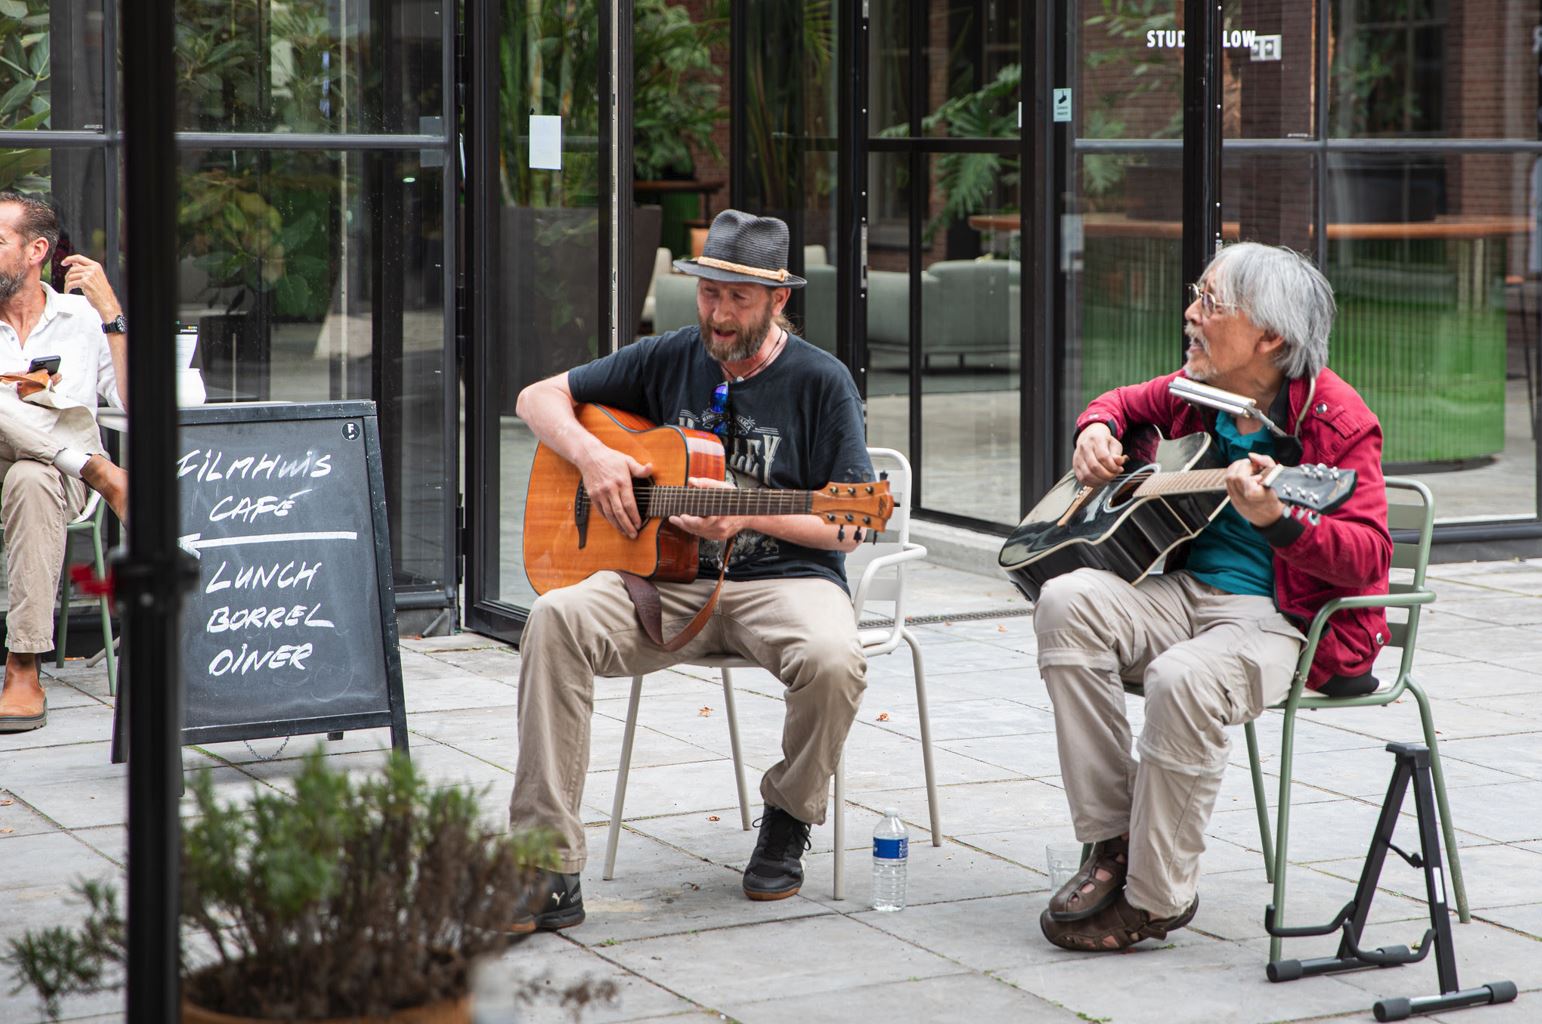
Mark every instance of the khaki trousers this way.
pixel 1207 659
pixel 37 502
pixel 801 630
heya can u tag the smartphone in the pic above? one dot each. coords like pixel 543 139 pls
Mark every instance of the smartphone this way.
pixel 49 363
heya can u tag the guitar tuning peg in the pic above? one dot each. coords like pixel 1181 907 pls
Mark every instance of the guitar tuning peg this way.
pixel 872 536
pixel 856 535
pixel 840 534
pixel 884 475
pixel 851 491
pixel 850 518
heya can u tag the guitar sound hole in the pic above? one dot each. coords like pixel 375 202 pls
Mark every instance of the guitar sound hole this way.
pixel 1122 492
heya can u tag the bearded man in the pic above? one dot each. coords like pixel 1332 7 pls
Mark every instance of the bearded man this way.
pixel 50 450
pixel 1215 639
pixel 790 417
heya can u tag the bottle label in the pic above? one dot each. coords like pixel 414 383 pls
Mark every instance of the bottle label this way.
pixel 891 849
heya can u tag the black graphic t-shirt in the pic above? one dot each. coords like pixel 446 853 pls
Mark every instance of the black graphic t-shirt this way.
pixel 797 426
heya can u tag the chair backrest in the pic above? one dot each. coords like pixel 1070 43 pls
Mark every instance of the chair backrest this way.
pixel 1411 514
pixel 885 586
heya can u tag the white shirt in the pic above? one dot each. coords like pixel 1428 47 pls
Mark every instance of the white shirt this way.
pixel 71 329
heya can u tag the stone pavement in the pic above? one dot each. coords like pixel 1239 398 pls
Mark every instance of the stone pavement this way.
pixel 678 938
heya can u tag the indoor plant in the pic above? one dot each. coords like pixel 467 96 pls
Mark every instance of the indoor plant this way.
pixel 351 899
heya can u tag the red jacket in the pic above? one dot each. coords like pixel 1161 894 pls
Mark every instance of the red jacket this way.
pixel 1347 552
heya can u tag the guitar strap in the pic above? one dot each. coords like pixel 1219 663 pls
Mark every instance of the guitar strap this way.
pixel 645 599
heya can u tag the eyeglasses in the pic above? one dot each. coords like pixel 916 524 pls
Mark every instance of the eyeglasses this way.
pixel 1209 305
pixel 718 420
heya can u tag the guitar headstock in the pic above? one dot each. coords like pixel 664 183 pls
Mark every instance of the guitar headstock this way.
pixel 868 505
pixel 1318 488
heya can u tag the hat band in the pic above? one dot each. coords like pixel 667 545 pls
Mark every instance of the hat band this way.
pixel 739 268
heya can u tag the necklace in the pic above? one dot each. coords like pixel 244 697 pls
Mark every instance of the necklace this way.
pixel 761 362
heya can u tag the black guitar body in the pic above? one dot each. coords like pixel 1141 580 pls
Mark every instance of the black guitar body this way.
pixel 1111 529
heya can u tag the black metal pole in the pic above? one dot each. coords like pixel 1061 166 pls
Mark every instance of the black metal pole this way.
pixel 1201 137
pixel 851 191
pixel 150 575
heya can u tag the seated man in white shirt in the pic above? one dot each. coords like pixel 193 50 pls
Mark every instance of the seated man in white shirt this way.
pixel 50 450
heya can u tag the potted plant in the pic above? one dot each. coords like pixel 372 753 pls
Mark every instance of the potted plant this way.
pixel 359 899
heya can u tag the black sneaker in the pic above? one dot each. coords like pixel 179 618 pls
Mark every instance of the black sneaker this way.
pixel 775 871
pixel 553 901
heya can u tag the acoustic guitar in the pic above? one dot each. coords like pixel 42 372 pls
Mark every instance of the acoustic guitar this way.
pixel 1129 524
pixel 566 540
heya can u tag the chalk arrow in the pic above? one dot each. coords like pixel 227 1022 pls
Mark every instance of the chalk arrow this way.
pixel 188 542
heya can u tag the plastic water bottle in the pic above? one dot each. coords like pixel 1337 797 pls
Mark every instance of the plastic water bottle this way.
pixel 891 849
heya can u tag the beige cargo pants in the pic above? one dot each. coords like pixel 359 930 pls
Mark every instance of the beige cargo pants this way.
pixel 1207 659
pixel 37 502
pixel 801 630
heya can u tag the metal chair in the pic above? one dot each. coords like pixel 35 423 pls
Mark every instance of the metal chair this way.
pixel 1410 596
pixel 1417 515
pixel 880 573
pixel 90 520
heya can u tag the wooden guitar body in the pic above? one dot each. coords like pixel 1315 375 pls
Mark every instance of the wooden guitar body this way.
pixel 1112 528
pixel 566 541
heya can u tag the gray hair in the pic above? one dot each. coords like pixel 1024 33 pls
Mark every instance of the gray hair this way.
pixel 39 219
pixel 1284 294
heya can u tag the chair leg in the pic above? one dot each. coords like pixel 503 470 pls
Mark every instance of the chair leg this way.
pixel 925 719
pixel 1260 802
pixel 840 827
pixel 733 743
pixel 1453 857
pixel 1282 829
pixel 625 768
pixel 106 606
pixel 62 630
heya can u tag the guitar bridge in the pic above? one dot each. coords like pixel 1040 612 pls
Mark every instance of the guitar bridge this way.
pixel 581 515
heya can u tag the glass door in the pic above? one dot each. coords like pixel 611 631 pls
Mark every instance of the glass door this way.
pixel 944 250
pixel 540 222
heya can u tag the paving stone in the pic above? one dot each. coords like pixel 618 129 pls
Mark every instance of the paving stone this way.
pixel 709 967
pixel 1526 918
pixel 1220 981
pixel 18 819
pixel 457 691
pixel 544 968
pixel 961 998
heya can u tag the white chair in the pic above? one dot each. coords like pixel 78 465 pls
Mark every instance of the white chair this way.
pixel 879 571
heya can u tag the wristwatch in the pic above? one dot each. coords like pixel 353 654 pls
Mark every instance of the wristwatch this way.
pixel 117 325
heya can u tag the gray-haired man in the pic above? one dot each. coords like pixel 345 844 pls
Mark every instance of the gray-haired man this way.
pixel 1214 640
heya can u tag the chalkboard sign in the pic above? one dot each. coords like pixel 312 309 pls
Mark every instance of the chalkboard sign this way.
pixel 292 626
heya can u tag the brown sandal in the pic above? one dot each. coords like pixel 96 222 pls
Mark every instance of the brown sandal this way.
pixel 1087 893
pixel 1116 928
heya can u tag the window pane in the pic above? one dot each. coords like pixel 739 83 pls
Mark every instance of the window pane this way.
pixel 1269 58
pixel 1128 65
pixel 308 66
pixel 1434 262
pixel 1125 301
pixel 970 341
pixel 975 70
pixel 50 66
pixel 1434 69
pixel 551 312
pixel 316 276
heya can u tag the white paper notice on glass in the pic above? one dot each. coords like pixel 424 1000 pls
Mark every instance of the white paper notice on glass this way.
pixel 545 142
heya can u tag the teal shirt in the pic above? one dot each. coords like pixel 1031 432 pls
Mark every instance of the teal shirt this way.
pixel 1230 553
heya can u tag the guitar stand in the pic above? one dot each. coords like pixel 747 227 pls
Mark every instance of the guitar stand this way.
pixel 1413 763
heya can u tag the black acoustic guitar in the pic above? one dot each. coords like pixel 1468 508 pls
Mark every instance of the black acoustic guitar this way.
pixel 1129 524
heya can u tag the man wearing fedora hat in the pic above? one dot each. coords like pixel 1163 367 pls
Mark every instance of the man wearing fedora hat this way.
pixel 790 417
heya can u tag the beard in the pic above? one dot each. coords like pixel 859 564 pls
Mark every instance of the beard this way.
pixel 10 284
pixel 1196 337
pixel 746 340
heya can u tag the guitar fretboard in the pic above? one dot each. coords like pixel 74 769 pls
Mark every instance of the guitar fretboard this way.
pixel 1191 481
pixel 658 501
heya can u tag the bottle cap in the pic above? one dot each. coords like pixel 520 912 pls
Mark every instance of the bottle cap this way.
pixel 891 813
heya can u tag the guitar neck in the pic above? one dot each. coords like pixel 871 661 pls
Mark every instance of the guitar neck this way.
pixel 657 502
pixel 1191 481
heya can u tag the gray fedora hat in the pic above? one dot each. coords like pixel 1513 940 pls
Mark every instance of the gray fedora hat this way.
pixel 744 249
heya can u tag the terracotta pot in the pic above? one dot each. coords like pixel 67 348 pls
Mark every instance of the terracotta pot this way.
pixel 451 1011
